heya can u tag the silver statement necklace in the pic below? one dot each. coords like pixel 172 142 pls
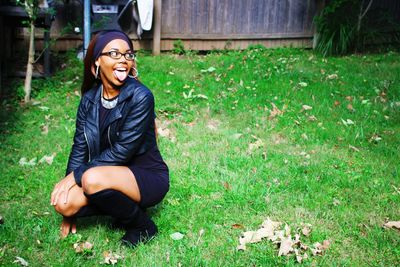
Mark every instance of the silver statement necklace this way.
pixel 108 104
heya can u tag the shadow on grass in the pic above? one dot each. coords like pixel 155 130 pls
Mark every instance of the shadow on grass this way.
pixel 11 107
pixel 107 221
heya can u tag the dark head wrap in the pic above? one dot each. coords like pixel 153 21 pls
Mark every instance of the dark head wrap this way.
pixel 105 37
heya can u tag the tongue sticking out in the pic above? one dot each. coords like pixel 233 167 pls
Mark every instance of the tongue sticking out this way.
pixel 120 75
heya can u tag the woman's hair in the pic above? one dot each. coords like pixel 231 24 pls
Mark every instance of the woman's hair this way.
pixel 89 80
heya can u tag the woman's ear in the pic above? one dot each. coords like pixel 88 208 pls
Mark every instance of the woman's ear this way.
pixel 133 69
pixel 93 68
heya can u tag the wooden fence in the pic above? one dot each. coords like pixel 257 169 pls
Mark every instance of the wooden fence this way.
pixel 214 24
pixel 221 23
pixel 211 24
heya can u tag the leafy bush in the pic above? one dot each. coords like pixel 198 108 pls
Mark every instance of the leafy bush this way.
pixel 179 47
pixel 346 26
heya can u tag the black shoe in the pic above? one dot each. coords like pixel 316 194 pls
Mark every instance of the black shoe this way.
pixel 142 234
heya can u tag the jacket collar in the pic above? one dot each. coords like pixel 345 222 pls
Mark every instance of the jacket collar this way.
pixel 126 91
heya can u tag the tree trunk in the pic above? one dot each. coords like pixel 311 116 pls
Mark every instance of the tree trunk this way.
pixel 359 21
pixel 29 66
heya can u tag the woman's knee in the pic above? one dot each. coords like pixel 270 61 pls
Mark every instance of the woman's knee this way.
pixel 91 182
pixel 65 209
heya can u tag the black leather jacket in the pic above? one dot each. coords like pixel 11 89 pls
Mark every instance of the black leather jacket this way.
pixel 130 129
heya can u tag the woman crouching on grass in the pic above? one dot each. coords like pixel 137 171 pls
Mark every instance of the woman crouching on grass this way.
pixel 115 167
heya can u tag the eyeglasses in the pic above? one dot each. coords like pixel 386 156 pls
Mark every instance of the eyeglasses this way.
pixel 117 55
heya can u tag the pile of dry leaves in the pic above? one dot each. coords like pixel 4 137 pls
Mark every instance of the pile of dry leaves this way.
pixel 282 236
pixel 109 257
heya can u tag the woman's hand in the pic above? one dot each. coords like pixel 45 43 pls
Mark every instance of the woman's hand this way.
pixel 68 225
pixel 63 187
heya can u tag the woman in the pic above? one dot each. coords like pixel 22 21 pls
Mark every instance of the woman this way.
pixel 115 167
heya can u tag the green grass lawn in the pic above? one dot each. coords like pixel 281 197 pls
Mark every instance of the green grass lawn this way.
pixel 247 135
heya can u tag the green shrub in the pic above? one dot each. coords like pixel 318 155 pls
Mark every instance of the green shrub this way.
pixel 179 47
pixel 346 26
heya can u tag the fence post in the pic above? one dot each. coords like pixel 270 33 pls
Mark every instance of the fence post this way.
pixel 86 25
pixel 320 7
pixel 157 28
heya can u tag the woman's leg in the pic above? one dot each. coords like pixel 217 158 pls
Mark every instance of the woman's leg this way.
pixel 76 200
pixel 118 178
pixel 94 180
pixel 114 191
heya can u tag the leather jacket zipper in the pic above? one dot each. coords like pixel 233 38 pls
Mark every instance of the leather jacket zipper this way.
pixel 87 141
pixel 109 139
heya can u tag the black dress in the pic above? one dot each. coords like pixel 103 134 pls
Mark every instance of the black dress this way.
pixel 149 168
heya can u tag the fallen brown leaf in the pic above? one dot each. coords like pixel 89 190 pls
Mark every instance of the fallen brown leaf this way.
pixel 24 162
pixel 299 257
pixel 319 248
pixel 47 159
pixel 375 138
pixel 255 145
pixel 303 246
pixel 316 251
pixel 274 112
pixel 354 148
pixel 177 236
pixel 111 258
pixel 21 261
pixel 286 246
pixel 350 107
pixel 312 118
pixel 201 233
pixel 263 233
pixel 332 76
pixel 164 132
pixel 213 124
pixel 237 226
pixel 269 227
pixel 336 202
pixel 326 244
pixel 226 185
pixel 392 224
pixel 81 247
pixel 305 108
pixel 306 230
pixel 287 230
pixel 278 236
pixel 45 129
pixel 246 237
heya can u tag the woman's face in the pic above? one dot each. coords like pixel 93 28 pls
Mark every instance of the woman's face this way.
pixel 113 72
